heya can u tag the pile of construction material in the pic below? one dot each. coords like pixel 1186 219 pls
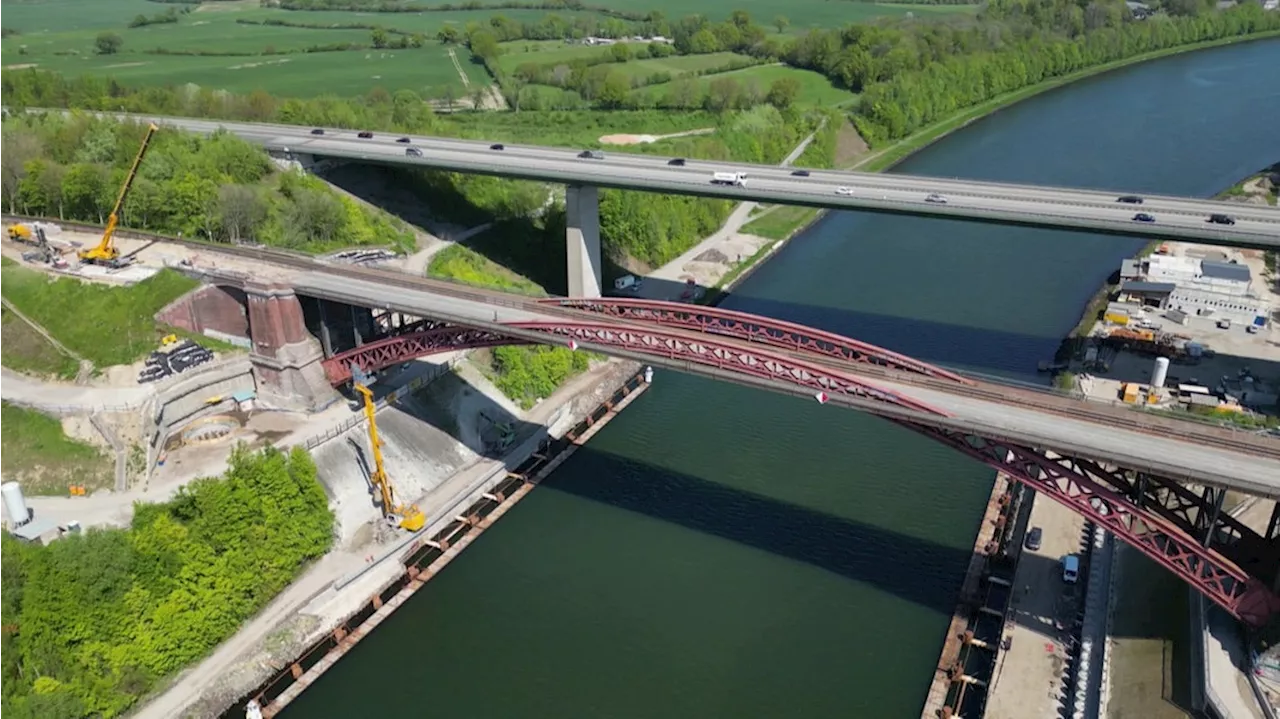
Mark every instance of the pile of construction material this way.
pixel 364 257
pixel 174 358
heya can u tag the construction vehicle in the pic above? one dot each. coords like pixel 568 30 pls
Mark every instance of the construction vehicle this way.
pixel 406 516
pixel 106 253
pixel 19 232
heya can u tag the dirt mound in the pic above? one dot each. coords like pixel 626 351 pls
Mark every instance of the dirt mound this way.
pixel 628 139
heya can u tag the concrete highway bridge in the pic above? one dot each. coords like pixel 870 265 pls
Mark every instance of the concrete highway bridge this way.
pixel 1256 226
pixel 1155 481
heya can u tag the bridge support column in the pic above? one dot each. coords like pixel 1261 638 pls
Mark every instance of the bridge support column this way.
pixel 286 358
pixel 582 224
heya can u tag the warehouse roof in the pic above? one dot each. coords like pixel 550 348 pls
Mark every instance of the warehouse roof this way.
pixel 1154 287
pixel 1225 271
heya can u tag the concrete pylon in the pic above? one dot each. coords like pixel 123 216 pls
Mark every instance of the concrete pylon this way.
pixel 286 358
pixel 582 238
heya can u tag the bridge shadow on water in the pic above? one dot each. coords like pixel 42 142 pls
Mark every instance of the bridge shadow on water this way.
pixel 915 569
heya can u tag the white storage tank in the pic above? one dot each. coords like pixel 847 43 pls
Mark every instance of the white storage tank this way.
pixel 14 505
pixel 1160 372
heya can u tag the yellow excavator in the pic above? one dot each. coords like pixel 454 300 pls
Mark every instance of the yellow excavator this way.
pixel 106 253
pixel 407 516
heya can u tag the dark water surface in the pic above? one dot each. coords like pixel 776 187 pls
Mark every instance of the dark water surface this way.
pixel 722 552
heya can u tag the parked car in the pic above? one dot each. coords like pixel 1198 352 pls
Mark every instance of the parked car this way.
pixel 591 155
pixel 1220 219
pixel 1130 199
pixel 412 152
pixel 1071 568
pixel 317 131
pixel 404 140
pixel 1034 538
pixel 1143 217
pixel 497 146
pixel 800 173
pixel 366 135
pixel 936 199
pixel 676 162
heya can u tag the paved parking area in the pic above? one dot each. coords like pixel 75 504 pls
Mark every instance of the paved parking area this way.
pixel 1028 681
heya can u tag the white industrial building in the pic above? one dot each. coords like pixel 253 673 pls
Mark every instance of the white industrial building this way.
pixel 1205 288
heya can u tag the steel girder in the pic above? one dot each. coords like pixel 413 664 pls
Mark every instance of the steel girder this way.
pixel 745 359
pixel 754 328
pixel 402 348
pixel 1068 481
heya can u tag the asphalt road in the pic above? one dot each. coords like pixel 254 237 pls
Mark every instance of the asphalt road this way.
pixel 1093 437
pixel 1174 218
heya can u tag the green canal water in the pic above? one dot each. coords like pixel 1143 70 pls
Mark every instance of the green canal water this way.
pixel 722 552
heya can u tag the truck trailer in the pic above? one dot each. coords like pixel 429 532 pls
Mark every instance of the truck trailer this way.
pixel 738 179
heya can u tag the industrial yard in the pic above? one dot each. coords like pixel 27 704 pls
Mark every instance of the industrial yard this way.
pixel 1191 328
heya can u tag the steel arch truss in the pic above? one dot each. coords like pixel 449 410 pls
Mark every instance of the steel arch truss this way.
pixel 743 359
pixel 404 347
pixel 1076 484
pixel 754 328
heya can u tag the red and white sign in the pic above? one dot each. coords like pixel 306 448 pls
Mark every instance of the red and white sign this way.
pixel 573 345
pixel 821 397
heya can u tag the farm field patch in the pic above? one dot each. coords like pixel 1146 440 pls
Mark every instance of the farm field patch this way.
pixel 815 89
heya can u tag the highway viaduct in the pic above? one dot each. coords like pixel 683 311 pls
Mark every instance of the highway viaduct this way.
pixel 1176 218
pixel 1156 482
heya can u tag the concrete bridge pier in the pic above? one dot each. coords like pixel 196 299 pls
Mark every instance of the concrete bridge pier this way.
pixel 286 358
pixel 582 225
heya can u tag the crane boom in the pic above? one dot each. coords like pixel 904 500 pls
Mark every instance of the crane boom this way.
pixel 407 516
pixel 105 252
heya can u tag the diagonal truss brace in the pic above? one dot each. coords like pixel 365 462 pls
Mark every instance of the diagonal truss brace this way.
pixel 754 328
pixel 1065 480
pixel 402 348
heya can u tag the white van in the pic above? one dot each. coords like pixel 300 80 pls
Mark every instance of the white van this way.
pixel 1071 568
pixel 627 283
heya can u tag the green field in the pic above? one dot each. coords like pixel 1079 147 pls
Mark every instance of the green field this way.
pixel 59 35
pixel 815 89
pixel 44 459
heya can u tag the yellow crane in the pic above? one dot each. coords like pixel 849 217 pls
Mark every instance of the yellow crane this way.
pixel 407 516
pixel 105 253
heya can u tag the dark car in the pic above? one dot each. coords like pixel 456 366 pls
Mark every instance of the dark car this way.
pixel 317 131
pixel 676 162
pixel 365 135
pixel 1143 217
pixel 497 146
pixel 1130 199
pixel 800 173
pixel 405 140
pixel 1033 538
pixel 1219 219
pixel 591 155
pixel 412 152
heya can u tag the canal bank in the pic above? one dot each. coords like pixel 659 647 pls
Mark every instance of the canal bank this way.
pixel 717 551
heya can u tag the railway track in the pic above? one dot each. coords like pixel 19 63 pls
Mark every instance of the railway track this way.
pixel 1042 400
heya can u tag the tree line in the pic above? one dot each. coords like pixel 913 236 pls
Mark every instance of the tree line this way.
pixel 92 622
pixel 218 188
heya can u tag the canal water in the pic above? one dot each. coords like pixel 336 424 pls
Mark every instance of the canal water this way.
pixel 718 551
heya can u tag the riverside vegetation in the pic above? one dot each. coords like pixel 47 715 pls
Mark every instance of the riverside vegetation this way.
pixel 93 622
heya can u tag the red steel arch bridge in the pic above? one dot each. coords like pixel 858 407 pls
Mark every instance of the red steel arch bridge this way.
pixel 1182 529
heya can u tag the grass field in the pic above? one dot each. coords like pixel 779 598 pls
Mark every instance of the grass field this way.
pixel 781 222
pixel 25 350
pixel 815 89
pixel 106 325
pixel 59 35
pixel 39 455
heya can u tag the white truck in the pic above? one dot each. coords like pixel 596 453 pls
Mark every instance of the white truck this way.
pixel 738 179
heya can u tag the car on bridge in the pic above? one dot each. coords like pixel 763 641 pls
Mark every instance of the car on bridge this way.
pixel 800 173
pixel 317 131
pixel 846 191
pixel 591 155
pixel 1221 219
pixel 365 135
pixel 1130 199
pixel 404 140
pixel 412 152
pixel 497 146
pixel 1143 217
pixel 936 199
pixel 676 162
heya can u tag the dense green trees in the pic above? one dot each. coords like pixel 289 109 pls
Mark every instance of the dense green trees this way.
pixel 91 622
pixel 219 188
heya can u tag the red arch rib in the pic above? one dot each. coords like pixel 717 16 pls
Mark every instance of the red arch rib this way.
pixel 754 328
